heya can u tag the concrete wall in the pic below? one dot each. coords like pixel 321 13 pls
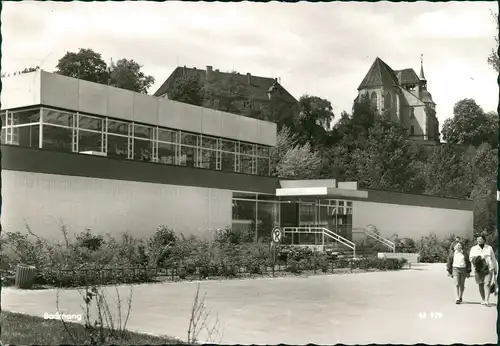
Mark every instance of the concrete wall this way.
pixel 21 90
pixel 72 94
pixel 410 221
pixel 105 205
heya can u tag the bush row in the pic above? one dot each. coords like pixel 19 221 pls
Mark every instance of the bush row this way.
pixel 92 258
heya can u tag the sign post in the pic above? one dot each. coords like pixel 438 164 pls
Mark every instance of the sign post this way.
pixel 276 236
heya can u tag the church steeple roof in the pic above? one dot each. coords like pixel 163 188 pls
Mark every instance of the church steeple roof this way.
pixel 422 76
pixel 379 74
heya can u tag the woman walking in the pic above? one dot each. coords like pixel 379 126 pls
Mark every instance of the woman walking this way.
pixel 485 266
pixel 459 268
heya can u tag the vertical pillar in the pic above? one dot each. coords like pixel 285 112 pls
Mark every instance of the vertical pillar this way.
pixel 256 217
pixel 40 134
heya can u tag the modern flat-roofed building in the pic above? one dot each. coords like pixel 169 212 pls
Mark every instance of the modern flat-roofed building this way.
pixel 91 156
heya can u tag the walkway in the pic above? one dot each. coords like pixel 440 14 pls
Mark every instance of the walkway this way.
pixel 379 308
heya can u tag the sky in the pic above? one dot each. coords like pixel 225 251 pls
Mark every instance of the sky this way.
pixel 320 49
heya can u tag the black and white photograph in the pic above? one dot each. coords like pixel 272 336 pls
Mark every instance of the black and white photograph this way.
pixel 252 173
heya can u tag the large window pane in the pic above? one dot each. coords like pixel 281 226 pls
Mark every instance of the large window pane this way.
pixel 187 156
pixel 267 218
pixel 57 138
pixel 262 166
pixel 189 139
pixel 3 136
pixel 117 146
pixel 89 141
pixel 208 159
pixel 228 146
pixel 90 123
pixel 141 131
pixel 263 151
pixel 25 116
pixel 228 161
pixel 246 149
pixel 143 150
pixel 246 164
pixel 3 115
pixel 118 127
pixel 210 143
pixel 57 117
pixel 167 136
pixel 166 153
pixel 27 136
pixel 243 215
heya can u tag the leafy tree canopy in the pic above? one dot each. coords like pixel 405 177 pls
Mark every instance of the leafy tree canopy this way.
pixel 88 65
pixel 84 64
pixel 384 160
pixel 127 74
pixel 313 123
pixel 470 125
pixel 292 160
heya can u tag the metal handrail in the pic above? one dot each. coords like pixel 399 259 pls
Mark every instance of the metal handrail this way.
pixel 381 239
pixel 324 231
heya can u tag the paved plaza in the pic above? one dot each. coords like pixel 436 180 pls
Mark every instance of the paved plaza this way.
pixel 384 307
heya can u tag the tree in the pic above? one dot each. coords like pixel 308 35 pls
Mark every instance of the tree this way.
pixel 349 134
pixel 470 125
pixel 313 123
pixel 352 128
pixel 446 172
pixel 493 59
pixel 26 70
pixel 482 171
pixel 85 64
pixel 126 74
pixel 187 90
pixel 385 160
pixel 290 159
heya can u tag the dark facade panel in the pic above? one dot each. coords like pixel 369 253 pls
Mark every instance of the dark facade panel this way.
pixel 390 197
pixel 50 162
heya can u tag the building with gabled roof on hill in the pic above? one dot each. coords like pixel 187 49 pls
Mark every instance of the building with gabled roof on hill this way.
pixel 256 93
pixel 403 95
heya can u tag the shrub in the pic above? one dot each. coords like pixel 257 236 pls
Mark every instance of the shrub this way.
pixel 379 263
pixel 234 236
pixel 94 259
pixel 293 266
pixel 89 241
pixel 434 250
pixel 256 257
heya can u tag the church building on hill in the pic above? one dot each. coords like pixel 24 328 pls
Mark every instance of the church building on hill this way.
pixel 403 95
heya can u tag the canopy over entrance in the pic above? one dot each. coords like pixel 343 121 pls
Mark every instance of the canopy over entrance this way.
pixel 320 188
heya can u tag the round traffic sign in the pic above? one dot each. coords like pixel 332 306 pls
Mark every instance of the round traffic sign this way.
pixel 276 234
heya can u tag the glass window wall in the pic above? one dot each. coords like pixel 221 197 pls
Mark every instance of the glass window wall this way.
pixel 56 117
pixel 75 132
pixel 22 117
pixel 117 146
pixel 91 132
pixel 258 213
pixel 144 138
pixel 27 136
pixel 244 215
pixel 166 153
pixel 57 138
pixel 267 217
pixel 90 141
